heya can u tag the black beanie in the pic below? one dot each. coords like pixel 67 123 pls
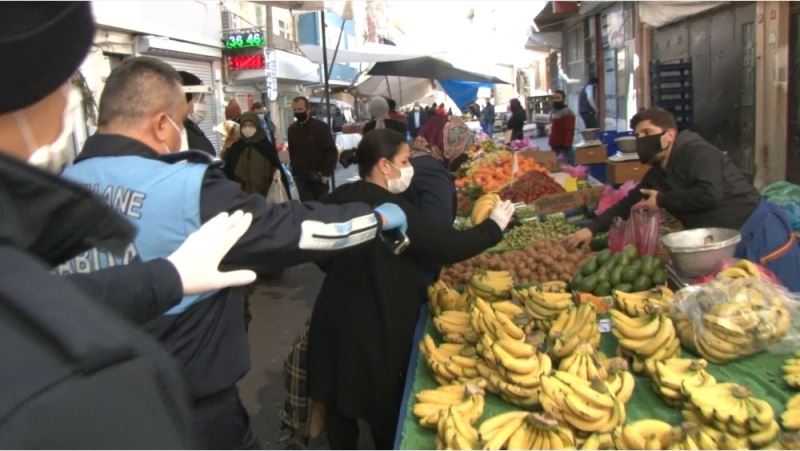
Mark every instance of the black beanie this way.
pixel 42 44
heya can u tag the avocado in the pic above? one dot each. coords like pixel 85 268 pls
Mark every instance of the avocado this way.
pixel 630 250
pixel 629 274
pixel 615 276
pixel 624 260
pixel 614 260
pixel 603 288
pixel 624 287
pixel 648 265
pixel 599 242
pixel 576 280
pixel 659 277
pixel 603 257
pixel 587 284
pixel 589 267
pixel 642 283
pixel 636 265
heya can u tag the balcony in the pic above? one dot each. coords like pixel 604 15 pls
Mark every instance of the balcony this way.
pixel 284 44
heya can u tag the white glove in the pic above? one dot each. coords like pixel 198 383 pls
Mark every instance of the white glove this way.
pixel 502 213
pixel 197 259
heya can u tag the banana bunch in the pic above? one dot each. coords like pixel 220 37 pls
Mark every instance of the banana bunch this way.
pixel 790 418
pixel 442 298
pixel 584 363
pixel 638 304
pixel 647 338
pixel 791 371
pixel 451 362
pixel 598 440
pixel 491 285
pixel 512 369
pixel 483 208
pixel 691 435
pixel 731 409
pixel 672 375
pixel 620 381
pixel 455 327
pixel 644 434
pixel 573 326
pixel 453 431
pixel 683 326
pixel 586 406
pixel 543 304
pixel 467 400
pixel 740 270
pixel 494 319
pixel 529 431
pixel 555 286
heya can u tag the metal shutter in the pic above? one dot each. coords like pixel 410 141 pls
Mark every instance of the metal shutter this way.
pixel 203 71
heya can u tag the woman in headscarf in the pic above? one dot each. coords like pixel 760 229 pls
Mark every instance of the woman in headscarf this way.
pixel 252 159
pixel 517 119
pixel 437 152
pixel 378 109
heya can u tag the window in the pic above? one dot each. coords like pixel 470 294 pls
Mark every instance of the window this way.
pixel 283 29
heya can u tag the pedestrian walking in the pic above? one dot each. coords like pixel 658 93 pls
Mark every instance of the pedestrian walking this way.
pixel 265 120
pixel 416 119
pixel 379 109
pixel 516 120
pixel 587 104
pixel 487 118
pixel 194 138
pixel 312 152
pixel 252 161
pixel 562 125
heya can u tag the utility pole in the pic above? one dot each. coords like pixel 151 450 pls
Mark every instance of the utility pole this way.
pixel 326 74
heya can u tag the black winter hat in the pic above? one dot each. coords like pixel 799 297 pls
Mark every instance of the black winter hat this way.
pixel 42 44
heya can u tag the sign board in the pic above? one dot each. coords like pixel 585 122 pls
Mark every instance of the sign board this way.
pixel 243 39
pixel 271 73
pixel 245 62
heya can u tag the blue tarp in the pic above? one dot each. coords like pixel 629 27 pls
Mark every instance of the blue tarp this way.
pixel 463 92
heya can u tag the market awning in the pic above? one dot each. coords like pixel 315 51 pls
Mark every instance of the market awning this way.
pixel 403 89
pixel 658 14
pixel 430 68
pixel 367 53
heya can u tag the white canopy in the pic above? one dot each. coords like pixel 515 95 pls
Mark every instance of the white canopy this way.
pixel 658 14
pixel 367 53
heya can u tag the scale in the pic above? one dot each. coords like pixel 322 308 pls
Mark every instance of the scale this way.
pixel 620 157
pixel 592 143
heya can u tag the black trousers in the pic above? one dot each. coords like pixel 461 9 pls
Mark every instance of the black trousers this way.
pixel 311 190
pixel 221 422
pixel 343 432
pixel 589 119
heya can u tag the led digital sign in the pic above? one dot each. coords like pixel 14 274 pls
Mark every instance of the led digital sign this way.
pixel 246 62
pixel 243 39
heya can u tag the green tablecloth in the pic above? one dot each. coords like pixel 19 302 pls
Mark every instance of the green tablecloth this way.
pixel 762 373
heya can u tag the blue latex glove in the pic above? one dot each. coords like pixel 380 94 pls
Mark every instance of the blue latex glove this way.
pixel 393 217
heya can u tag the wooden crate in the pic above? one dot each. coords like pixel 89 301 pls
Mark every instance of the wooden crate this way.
pixel 591 155
pixel 622 171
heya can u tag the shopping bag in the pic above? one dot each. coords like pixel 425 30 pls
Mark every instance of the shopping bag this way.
pixel 277 192
pixel 642 229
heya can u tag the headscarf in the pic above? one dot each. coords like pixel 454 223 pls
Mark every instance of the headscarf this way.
pixel 378 108
pixel 252 168
pixel 260 133
pixel 446 139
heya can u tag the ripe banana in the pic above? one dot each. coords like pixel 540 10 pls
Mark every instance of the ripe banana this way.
pixel 640 435
pixel 791 416
pixel 454 432
pixel 495 432
pixel 483 208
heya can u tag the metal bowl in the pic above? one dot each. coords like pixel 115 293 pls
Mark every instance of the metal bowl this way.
pixel 591 134
pixel 697 252
pixel 626 144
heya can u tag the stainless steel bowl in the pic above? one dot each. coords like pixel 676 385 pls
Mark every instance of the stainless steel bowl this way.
pixel 697 252
pixel 626 144
pixel 591 134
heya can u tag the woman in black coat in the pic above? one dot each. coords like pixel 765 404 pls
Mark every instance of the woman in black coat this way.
pixel 362 327
pixel 517 119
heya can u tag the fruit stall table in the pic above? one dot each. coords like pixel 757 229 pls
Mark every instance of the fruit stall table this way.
pixel 762 373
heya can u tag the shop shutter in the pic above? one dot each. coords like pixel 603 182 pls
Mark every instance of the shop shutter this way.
pixel 203 71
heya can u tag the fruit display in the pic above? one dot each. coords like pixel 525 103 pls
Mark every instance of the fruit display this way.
pixel 693 436
pixel 467 400
pixel 645 434
pixel 491 285
pixel 640 304
pixel 791 371
pixel 575 325
pixel 454 432
pixel 585 406
pixel 483 208
pixel 732 318
pixel 647 339
pixel 584 363
pixel 530 186
pixel 451 362
pixel 599 440
pixel 672 376
pixel 455 327
pixel 442 298
pixel 740 270
pixel 622 271
pixel 539 262
pixel 494 172
pixel 790 418
pixel 542 305
pixel 620 381
pixel 523 235
pixel 733 410
pixel 525 430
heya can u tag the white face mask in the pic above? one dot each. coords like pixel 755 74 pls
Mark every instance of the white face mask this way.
pixel 261 116
pixel 198 113
pixel 54 156
pixel 399 185
pixel 248 132
pixel 177 129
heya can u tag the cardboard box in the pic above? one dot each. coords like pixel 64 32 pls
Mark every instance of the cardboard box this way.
pixel 620 172
pixel 591 155
pixel 555 203
pixel 546 158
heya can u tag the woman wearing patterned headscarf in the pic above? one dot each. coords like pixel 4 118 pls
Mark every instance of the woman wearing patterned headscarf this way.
pixel 378 109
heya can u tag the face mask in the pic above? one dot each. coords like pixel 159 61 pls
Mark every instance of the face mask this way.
pixel 261 116
pixel 301 117
pixel 177 129
pixel 198 113
pixel 248 132
pixel 648 147
pixel 558 105
pixel 398 185
pixel 54 156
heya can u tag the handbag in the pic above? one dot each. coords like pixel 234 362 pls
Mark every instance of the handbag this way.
pixel 277 192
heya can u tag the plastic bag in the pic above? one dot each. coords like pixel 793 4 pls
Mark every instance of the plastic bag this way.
pixel 642 229
pixel 277 192
pixel 579 172
pixel 724 320
pixel 787 196
pixel 611 196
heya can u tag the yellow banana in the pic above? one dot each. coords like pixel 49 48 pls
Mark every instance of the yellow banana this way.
pixel 497 437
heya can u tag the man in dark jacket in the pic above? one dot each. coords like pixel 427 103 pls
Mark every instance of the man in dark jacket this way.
pixel 196 139
pixel 587 103
pixel 701 186
pixel 75 373
pixel 487 118
pixel 312 151
pixel 416 119
pixel 562 125
pixel 127 162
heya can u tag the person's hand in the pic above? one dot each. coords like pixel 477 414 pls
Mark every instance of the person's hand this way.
pixel 579 238
pixel 197 259
pixel 502 213
pixel 650 202
pixel 324 179
pixel 393 217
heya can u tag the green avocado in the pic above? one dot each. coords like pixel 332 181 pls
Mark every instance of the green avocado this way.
pixel 587 284
pixel 629 274
pixel 642 283
pixel 589 267
pixel 624 287
pixel 599 242
pixel 576 280
pixel 624 260
pixel 659 277
pixel 648 265
pixel 615 277
pixel 603 288
pixel 631 251
pixel 603 257
pixel 636 265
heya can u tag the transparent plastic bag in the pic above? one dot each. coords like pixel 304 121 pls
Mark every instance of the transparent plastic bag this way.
pixel 611 196
pixel 641 229
pixel 725 320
